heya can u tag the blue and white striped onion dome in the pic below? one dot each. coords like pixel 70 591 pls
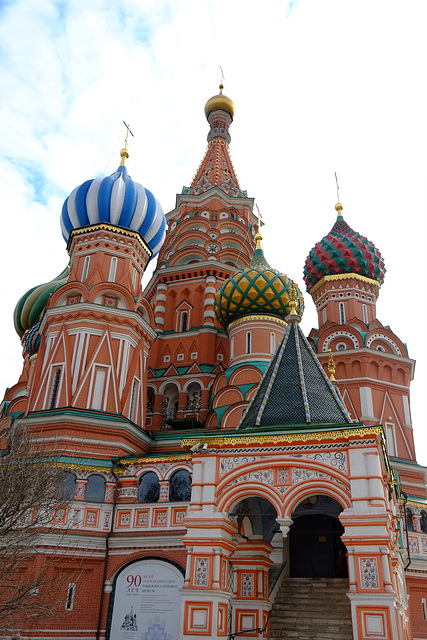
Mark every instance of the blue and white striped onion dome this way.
pixel 119 201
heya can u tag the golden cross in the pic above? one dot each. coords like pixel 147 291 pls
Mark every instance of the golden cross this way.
pixel 338 189
pixel 127 133
pixel 259 217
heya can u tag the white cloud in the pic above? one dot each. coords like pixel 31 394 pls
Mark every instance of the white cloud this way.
pixel 335 86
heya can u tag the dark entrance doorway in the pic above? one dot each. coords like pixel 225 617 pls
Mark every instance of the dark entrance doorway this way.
pixel 315 546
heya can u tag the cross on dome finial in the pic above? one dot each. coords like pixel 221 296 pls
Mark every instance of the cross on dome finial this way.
pixel 338 206
pixel 258 236
pixel 124 153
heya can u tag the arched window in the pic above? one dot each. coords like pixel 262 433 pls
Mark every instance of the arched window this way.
pixel 67 485
pixel 180 486
pixel 232 348
pixel 342 313
pixel 409 521
pixel 194 397
pixel 95 489
pixel 149 488
pixel 423 521
pixel 248 342
pixel 272 343
pixel 150 400
pixel 170 402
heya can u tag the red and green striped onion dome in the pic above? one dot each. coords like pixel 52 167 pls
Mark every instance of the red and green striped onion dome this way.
pixel 30 308
pixel 258 289
pixel 343 251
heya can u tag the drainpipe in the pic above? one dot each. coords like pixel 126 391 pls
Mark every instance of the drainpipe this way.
pixel 405 495
pixel 107 546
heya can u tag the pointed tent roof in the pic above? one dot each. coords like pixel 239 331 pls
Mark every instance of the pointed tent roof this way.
pixel 295 389
pixel 216 168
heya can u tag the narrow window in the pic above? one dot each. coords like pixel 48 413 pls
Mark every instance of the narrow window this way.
pixel 342 313
pixel 113 269
pixel 98 391
pixel 272 343
pixel 232 349
pixel 85 268
pixel 409 521
pixel 391 449
pixel 324 315
pixel 69 601
pixel 365 313
pixel 133 401
pixel 134 278
pixel 184 321
pixel 54 391
pixel 424 606
pixel 248 342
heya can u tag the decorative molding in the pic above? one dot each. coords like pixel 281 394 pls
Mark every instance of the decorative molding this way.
pixel 252 318
pixel 343 276
pixel 289 437
pixel 154 460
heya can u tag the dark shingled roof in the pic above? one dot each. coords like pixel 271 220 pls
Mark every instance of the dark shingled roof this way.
pixel 295 389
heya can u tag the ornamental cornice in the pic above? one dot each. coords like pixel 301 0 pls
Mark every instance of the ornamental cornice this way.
pixel 93 312
pixel 253 317
pixel 75 466
pixel 109 227
pixel 155 459
pixel 343 276
pixel 284 437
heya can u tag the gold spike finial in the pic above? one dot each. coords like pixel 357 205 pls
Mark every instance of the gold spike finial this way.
pixel 331 367
pixel 293 299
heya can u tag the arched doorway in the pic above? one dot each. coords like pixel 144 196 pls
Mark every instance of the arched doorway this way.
pixel 315 546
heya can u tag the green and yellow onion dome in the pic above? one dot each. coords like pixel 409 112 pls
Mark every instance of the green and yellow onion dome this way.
pixel 258 289
pixel 30 308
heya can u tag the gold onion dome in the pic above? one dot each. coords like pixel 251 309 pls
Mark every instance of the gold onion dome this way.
pixel 258 289
pixel 219 102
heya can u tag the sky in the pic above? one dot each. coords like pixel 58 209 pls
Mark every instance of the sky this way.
pixel 320 86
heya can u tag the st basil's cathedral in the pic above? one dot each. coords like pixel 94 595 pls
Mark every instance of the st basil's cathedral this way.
pixel 228 476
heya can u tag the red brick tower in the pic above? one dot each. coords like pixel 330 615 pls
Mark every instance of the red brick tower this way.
pixel 210 236
pixel 343 274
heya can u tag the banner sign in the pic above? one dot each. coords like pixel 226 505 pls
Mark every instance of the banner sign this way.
pixel 147 602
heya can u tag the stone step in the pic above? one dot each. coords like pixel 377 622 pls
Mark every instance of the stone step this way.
pixel 311 609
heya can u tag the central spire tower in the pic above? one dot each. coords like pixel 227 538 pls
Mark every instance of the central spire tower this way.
pixel 211 235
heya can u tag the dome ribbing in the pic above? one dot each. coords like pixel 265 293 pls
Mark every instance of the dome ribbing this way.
pixel 343 250
pixel 119 201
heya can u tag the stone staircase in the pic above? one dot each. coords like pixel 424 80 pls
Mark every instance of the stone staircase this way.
pixel 312 609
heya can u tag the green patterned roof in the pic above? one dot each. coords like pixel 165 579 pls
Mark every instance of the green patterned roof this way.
pixel 258 289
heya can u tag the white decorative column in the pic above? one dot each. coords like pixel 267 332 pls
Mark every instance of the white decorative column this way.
pixel 160 307
pixel 210 291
